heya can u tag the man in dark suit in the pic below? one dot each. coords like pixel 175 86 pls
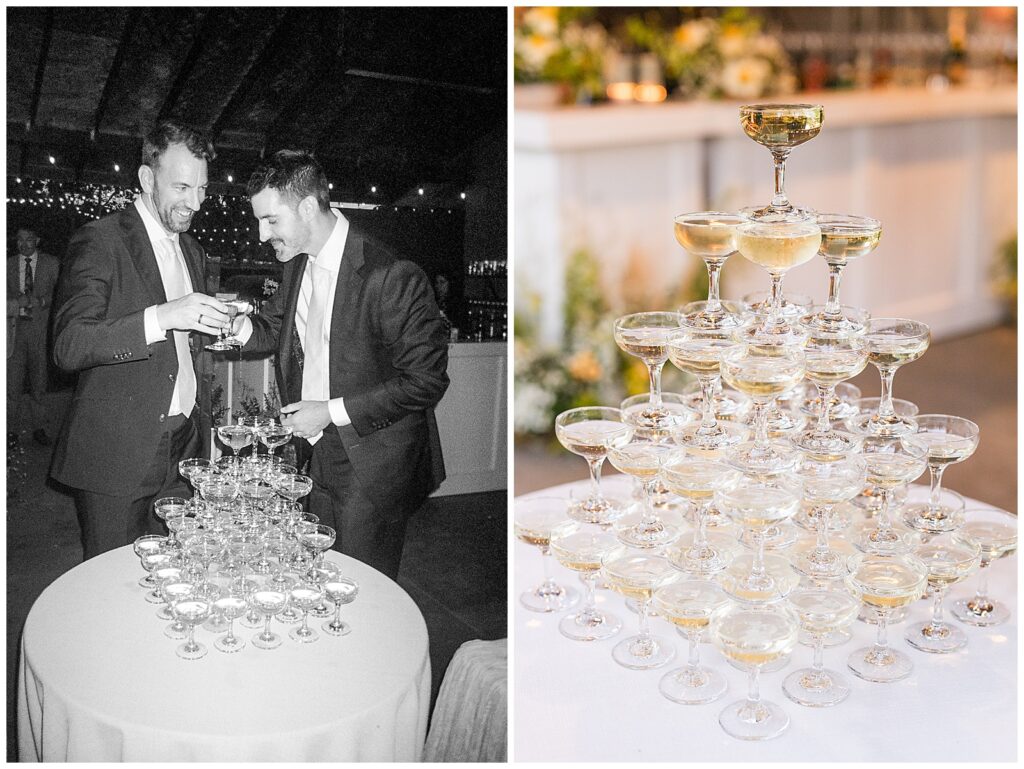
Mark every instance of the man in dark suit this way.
pixel 31 278
pixel 131 293
pixel 362 360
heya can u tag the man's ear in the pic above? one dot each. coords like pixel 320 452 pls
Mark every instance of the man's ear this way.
pixel 308 208
pixel 147 179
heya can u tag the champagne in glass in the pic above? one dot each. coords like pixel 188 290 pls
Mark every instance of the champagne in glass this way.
pixel 590 432
pixel 642 460
pixel 780 128
pixel 949 440
pixel 273 435
pixel 884 583
pixel 822 612
pixel 534 520
pixel 645 335
pixel 711 235
pixel 843 239
pixel 697 480
pixel 889 463
pixel 342 591
pixel 637 577
pixel 753 637
pixel 689 605
pixel 949 559
pixel 582 552
pixel 995 534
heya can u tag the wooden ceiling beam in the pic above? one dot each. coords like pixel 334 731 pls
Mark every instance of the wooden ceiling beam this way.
pixel 205 32
pixel 130 25
pixel 44 55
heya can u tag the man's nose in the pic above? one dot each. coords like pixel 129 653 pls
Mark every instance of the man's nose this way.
pixel 264 232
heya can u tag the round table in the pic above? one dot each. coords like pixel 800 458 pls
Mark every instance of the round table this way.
pixel 99 681
pixel 574 703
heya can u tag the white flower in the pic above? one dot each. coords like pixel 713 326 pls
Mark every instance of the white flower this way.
pixel 732 42
pixel 532 408
pixel 745 78
pixel 542 21
pixel 767 46
pixel 536 50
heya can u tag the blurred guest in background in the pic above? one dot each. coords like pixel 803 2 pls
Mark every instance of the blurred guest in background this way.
pixel 31 278
pixel 131 293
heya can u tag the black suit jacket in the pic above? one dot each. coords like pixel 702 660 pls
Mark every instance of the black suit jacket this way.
pixel 44 281
pixel 124 385
pixel 388 360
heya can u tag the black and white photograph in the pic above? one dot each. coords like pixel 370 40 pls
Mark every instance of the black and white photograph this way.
pixel 257 370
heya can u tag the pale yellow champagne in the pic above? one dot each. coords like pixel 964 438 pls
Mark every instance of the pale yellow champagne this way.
pixel 593 438
pixel 700 357
pixel 709 239
pixel 826 368
pixel 885 584
pixel 781 126
pixel 762 381
pixel 840 245
pixel 650 344
pixel 755 637
pixel 823 611
pixel 886 353
pixel 530 536
pixel 890 470
pixel 945 449
pixel 996 540
pixel 779 248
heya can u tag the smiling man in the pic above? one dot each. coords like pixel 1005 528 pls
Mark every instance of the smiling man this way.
pixel 130 296
pixel 362 360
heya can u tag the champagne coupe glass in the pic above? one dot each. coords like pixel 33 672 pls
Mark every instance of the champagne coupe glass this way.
pixel 255 422
pixel 170 507
pixel 729 405
pixel 157 560
pixel 889 462
pixel 642 460
pixel 187 467
pixel 871 498
pixel 949 440
pixel 293 487
pixel 777 247
pixel 236 307
pixel 191 611
pixel 678 411
pixel 830 358
pixel 949 559
pixel 697 480
pixel 995 533
pixel 273 435
pixel 172 591
pixel 780 128
pixel 645 335
pixel 711 235
pixel 752 637
pixel 173 572
pixel 637 576
pixel 321 575
pixel 756 505
pixel 205 548
pixel 305 596
pixel 231 607
pixel 269 601
pixel 689 604
pixel 825 485
pixel 533 521
pixel 794 306
pixel 821 613
pixel 590 432
pixel 236 437
pixel 317 540
pixel 699 352
pixel 891 342
pixel 762 376
pixel 218 491
pixel 582 551
pixel 145 545
pixel 843 238
pixel 341 590
pixel 224 340
pixel 884 583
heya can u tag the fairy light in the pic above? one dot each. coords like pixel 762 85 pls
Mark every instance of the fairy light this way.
pixel 117 168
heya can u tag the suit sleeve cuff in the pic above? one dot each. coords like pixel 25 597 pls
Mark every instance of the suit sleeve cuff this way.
pixel 339 416
pixel 154 333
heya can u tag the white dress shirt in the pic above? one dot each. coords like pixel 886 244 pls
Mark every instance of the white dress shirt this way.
pixel 327 258
pixel 154 333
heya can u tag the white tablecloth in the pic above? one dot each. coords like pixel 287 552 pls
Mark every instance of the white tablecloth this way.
pixel 98 680
pixel 574 703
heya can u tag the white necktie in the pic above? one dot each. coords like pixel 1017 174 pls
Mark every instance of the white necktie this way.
pixel 175 286
pixel 315 382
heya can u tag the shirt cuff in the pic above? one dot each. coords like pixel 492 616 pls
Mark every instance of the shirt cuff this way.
pixel 339 416
pixel 154 333
pixel 244 330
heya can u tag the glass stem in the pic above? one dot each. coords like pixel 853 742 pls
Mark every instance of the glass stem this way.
pixel 708 422
pixel 981 592
pixel 694 659
pixel 824 512
pixel 589 580
pixel 779 200
pixel 818 666
pixel 654 375
pixel 832 308
pixel 936 486
pixel 548 586
pixel 337 615
pixel 753 690
pixel 595 478
pixel 642 610
pixel 884 524
pixel 881 644
pixel 266 627
pixel 760 426
pixel 714 305
pixel 885 409
pixel 648 519
pixel 757 570
pixel 937 608
pixel 231 630
pixel 700 539
pixel 191 636
pixel 825 393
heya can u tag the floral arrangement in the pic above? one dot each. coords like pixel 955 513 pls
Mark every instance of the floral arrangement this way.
pixel 587 368
pixel 728 56
pixel 559 45
pixel 1006 274
pixel 270 287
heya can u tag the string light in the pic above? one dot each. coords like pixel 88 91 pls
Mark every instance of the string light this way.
pixel 462 195
pixel 230 178
pixel 330 185
pixel 373 189
pixel 52 160
pixel 421 192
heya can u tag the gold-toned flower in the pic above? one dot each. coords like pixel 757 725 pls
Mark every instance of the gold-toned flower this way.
pixel 745 78
pixel 732 40
pixel 691 35
pixel 584 367
pixel 542 20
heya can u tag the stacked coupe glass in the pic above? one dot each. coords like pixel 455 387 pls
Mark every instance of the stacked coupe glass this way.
pixel 242 549
pixel 767 512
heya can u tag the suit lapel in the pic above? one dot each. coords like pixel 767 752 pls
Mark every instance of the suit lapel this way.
pixel 194 262
pixel 141 252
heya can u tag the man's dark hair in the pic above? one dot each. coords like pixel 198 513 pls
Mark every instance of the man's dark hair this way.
pixel 295 174
pixel 168 132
